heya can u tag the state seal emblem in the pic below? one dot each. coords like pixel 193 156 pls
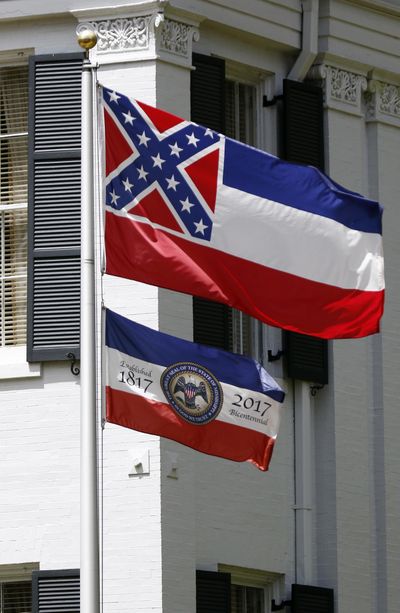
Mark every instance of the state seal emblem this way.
pixel 192 391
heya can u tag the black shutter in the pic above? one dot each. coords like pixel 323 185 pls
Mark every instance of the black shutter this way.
pixel 307 357
pixel 303 142
pixel 212 323
pixel 310 599
pixel 54 206
pixel 207 92
pixel 213 592
pixel 303 135
pixel 55 591
pixel 211 320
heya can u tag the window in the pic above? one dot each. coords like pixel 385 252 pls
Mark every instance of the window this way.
pixel 13 205
pixel 235 589
pixel 16 587
pixel 16 597
pixel 240 124
pixel 240 111
pixel 222 101
pixel 246 599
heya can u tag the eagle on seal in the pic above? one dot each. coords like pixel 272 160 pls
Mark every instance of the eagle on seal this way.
pixel 190 391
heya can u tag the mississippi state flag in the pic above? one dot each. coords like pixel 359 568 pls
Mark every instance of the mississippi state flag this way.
pixel 214 401
pixel 191 210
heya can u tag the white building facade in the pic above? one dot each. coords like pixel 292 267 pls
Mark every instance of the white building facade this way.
pixel 326 513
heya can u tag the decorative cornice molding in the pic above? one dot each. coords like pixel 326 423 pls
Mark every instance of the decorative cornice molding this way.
pixel 124 39
pixel 356 94
pixel 346 87
pixel 123 34
pixel 133 38
pixel 390 100
pixel 177 37
pixel 382 102
pixel 343 90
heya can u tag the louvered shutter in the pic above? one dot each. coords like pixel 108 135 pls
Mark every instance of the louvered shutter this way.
pixel 54 207
pixel 311 599
pixel 211 320
pixel 207 92
pixel 213 592
pixel 303 136
pixel 55 591
pixel 212 323
pixel 307 357
pixel 303 142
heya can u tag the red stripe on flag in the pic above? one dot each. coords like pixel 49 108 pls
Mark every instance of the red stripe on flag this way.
pixel 216 438
pixel 138 251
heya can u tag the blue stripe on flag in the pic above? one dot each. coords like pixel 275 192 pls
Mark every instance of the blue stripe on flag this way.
pixel 301 187
pixel 156 347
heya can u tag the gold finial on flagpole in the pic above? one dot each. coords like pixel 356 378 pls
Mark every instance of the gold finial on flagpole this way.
pixel 87 38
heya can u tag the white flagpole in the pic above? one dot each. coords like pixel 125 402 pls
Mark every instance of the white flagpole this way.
pixel 303 482
pixel 89 524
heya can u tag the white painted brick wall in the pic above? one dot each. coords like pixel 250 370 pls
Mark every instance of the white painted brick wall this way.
pixel 350 494
pixel 388 189
pixel 39 467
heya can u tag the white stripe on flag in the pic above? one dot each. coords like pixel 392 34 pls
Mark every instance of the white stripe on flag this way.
pixel 298 242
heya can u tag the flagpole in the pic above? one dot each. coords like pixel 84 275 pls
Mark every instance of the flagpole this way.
pixel 303 482
pixel 89 524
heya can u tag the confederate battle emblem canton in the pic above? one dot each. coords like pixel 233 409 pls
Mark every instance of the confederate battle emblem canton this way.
pixel 192 391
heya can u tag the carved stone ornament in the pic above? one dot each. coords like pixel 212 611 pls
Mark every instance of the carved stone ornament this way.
pixel 126 39
pixel 346 86
pixel 390 100
pixel 382 102
pixel 342 89
pixel 125 33
pixel 177 37
pixel 121 34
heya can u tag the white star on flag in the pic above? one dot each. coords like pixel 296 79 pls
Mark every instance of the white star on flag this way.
pixel 172 183
pixel 127 185
pixel 200 227
pixel 114 97
pixel 175 150
pixel 192 140
pixel 186 205
pixel 157 161
pixel 114 197
pixel 128 118
pixel 142 173
pixel 143 139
